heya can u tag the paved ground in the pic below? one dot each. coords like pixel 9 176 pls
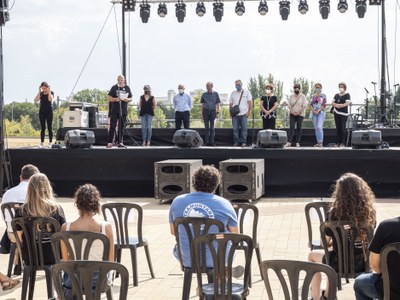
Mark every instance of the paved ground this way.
pixel 282 235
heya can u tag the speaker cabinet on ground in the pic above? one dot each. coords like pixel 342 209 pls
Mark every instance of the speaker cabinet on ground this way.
pixel 269 138
pixel 79 138
pixel 242 179
pixel 187 138
pixel 366 139
pixel 173 177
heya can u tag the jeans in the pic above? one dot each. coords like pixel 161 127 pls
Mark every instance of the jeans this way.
pixel 46 117
pixel 146 127
pixel 318 121
pixel 182 116
pixel 340 122
pixel 364 286
pixel 239 124
pixel 293 121
pixel 209 118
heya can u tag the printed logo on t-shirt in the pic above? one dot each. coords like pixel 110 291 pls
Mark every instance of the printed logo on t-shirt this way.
pixel 198 210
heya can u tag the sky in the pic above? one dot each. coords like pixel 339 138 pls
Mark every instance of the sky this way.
pixel 48 40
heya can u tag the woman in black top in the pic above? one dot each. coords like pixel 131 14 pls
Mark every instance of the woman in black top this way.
pixel 340 111
pixel 45 96
pixel 268 106
pixel 147 104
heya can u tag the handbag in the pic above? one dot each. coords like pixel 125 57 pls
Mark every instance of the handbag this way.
pixel 235 110
pixel 5 244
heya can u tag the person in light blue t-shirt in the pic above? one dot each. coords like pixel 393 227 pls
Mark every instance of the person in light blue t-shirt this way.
pixel 202 203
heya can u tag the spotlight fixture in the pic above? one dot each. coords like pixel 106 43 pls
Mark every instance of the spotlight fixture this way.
pixel 240 9
pixel 263 7
pixel 200 9
pixel 303 7
pixel 180 11
pixel 129 5
pixel 342 6
pixel 284 9
pixel 218 11
pixel 324 8
pixel 361 8
pixel 375 2
pixel 145 12
pixel 162 10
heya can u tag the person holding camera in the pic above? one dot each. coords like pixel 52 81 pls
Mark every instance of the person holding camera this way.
pixel 45 97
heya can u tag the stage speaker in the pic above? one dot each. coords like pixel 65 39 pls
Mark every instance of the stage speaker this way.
pixel 271 138
pixel 366 139
pixel 173 177
pixel 187 138
pixel 93 117
pixel 79 139
pixel 242 179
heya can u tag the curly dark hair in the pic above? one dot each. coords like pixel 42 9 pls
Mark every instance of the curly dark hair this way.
pixel 87 198
pixel 206 179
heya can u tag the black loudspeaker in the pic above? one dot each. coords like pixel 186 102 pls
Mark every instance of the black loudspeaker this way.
pixel 242 179
pixel 173 177
pixel 187 138
pixel 269 138
pixel 93 119
pixel 79 139
pixel 366 139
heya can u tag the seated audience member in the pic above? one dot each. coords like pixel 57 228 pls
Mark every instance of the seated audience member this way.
pixel 353 201
pixel 7 283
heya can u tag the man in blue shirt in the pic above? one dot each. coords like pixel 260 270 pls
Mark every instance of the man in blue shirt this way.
pixel 182 107
pixel 210 110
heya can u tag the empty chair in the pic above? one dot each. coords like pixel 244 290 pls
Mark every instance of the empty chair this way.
pixel 290 283
pixel 321 208
pixel 386 273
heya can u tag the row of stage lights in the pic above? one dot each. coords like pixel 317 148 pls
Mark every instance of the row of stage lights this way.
pixel 218 8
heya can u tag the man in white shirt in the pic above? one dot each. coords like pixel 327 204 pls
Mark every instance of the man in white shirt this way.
pixel 242 98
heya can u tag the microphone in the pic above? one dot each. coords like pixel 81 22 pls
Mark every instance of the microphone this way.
pixel 396 85
pixel 373 82
pixel 366 90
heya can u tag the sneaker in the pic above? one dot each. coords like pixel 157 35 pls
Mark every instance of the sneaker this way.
pixel 109 145
pixel 237 271
pixel 121 145
pixel 235 145
pixel 144 144
pixel 244 145
pixel 148 144
pixel 297 145
pixel 342 146
pixel 288 144
pixel 50 144
pixel 41 145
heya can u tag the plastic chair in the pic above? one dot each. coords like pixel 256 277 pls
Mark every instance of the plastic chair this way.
pixel 293 269
pixel 388 249
pixel 194 227
pixel 36 231
pixel 81 275
pixel 8 209
pixel 223 247
pixel 120 213
pixel 321 208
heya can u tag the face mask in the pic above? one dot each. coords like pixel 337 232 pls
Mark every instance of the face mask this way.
pixel 147 92
pixel 268 91
pixel 341 90
pixel 296 92
pixel 238 87
pixel 318 90
pixel 181 91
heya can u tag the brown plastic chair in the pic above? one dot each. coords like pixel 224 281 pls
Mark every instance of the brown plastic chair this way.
pixel 293 269
pixel 321 208
pixel 222 257
pixel 120 213
pixel 194 227
pixel 388 249
pixel 36 231
pixel 10 208
pixel 81 275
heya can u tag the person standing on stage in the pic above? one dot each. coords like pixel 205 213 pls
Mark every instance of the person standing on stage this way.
pixel 118 97
pixel 340 105
pixel 268 107
pixel 182 106
pixel 297 108
pixel 210 110
pixel 147 105
pixel 45 96
pixel 317 113
pixel 244 99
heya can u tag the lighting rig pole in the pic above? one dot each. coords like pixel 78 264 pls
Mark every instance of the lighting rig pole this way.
pixel 383 118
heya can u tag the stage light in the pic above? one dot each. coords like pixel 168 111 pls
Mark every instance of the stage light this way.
pixel 240 9
pixel 129 5
pixel 342 6
pixel 263 7
pixel 200 9
pixel 303 7
pixel 180 11
pixel 361 8
pixel 324 8
pixel 145 12
pixel 375 2
pixel 162 10
pixel 218 11
pixel 284 9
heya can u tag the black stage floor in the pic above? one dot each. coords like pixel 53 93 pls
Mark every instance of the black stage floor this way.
pixel 292 172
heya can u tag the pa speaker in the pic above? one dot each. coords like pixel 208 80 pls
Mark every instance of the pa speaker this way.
pixel 271 138
pixel 79 139
pixel 187 138
pixel 366 139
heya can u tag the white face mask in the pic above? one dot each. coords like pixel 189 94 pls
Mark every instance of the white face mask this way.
pixel 181 91
pixel 341 90
pixel 268 92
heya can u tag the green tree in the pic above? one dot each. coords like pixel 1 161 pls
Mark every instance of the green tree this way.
pixel 16 110
pixel 91 96
pixel 22 128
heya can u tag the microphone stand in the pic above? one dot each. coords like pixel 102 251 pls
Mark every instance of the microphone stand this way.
pixel 252 132
pixel 376 104
pixel 366 104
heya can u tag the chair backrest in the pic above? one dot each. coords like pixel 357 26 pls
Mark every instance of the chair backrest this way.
pixel 81 275
pixel 223 247
pixel 8 211
pixel 346 239
pixel 321 208
pixel 120 213
pixel 195 227
pixel 386 275
pixel 293 271
pixel 36 231
pixel 79 244
pixel 354 121
pixel 241 210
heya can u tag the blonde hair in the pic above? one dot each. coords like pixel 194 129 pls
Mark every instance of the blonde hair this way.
pixel 269 85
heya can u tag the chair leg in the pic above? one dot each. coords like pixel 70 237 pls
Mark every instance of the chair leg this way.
pixel 109 294
pixel 117 257
pixel 134 265
pixel 25 282
pixel 339 283
pixel 11 259
pixel 32 281
pixel 187 282
pixel 259 260
pixel 147 250
pixel 49 283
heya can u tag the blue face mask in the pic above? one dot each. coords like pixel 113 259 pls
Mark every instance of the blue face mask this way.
pixel 238 87
pixel 318 90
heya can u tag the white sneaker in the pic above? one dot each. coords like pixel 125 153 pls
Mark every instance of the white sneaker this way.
pixel 41 145
pixel 288 144
pixel 50 144
pixel 297 145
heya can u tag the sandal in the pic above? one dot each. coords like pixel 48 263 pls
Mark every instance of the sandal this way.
pixel 9 284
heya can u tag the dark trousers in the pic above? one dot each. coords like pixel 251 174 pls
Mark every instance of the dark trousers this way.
pixel 46 117
pixel 340 122
pixel 295 121
pixel 182 116
pixel 114 118
pixel 209 118
pixel 268 123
